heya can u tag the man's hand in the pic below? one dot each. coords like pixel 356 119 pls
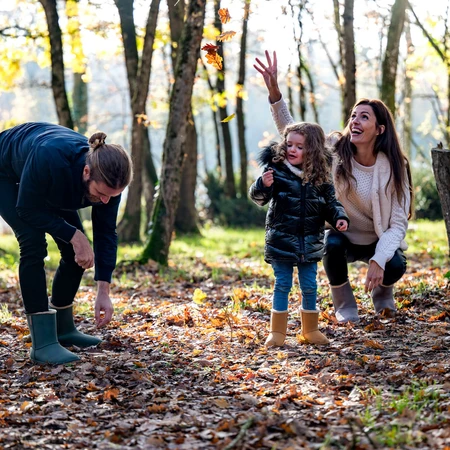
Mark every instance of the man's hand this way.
pixel 374 277
pixel 341 225
pixel 103 306
pixel 267 178
pixel 269 74
pixel 84 256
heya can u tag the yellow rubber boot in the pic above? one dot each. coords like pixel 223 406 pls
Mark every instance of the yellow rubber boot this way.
pixel 278 328
pixel 310 328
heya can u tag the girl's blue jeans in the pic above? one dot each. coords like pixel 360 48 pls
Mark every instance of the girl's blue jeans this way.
pixel 307 277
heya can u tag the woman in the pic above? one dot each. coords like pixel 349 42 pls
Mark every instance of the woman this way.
pixel 47 173
pixel 373 182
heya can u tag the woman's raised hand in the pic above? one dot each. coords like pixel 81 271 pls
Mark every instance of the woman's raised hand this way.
pixel 269 73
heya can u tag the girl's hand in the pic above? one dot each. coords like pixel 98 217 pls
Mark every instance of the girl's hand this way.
pixel 341 225
pixel 374 276
pixel 269 74
pixel 267 178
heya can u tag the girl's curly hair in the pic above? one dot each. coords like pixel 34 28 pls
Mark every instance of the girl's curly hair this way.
pixel 317 157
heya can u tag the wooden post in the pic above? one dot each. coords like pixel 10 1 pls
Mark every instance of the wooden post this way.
pixel 441 169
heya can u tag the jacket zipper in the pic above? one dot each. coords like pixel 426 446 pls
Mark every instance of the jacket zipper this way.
pixel 302 222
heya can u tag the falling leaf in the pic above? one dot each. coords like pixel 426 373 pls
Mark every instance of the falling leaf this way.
pixel 227 119
pixel 226 36
pixel 199 297
pixel 210 48
pixel 224 15
pixel 212 57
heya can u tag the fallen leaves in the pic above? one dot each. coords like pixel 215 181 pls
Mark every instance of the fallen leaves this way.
pixel 171 374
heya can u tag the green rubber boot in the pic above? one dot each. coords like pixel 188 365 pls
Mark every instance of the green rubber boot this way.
pixel 67 332
pixel 45 346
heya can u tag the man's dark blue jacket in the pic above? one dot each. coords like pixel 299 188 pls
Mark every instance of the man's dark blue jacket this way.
pixel 47 162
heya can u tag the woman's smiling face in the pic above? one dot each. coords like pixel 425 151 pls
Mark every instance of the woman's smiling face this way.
pixel 363 126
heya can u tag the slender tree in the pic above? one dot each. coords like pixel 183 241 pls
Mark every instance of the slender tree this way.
pixel 407 100
pixel 230 185
pixel 80 87
pixel 138 73
pixel 239 102
pixel 349 61
pixel 163 220
pixel 390 61
pixel 56 53
pixel 186 220
pixel 442 47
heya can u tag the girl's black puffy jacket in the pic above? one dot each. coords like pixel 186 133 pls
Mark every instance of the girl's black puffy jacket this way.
pixel 295 221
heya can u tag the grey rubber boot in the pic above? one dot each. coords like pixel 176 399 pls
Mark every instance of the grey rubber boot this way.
pixel 344 302
pixel 67 332
pixel 45 346
pixel 383 300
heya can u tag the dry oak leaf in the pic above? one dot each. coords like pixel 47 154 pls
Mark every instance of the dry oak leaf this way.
pixel 374 344
pixel 226 36
pixel 111 394
pixel 224 15
pixel 215 60
pixel 212 57
pixel 210 48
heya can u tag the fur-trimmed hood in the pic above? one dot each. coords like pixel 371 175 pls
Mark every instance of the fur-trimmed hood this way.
pixel 266 154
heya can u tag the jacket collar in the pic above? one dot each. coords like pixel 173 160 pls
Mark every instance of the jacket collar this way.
pixel 295 170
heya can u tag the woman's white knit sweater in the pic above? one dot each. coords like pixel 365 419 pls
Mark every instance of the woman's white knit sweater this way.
pixel 374 211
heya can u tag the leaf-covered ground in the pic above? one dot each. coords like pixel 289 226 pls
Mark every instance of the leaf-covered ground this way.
pixel 183 366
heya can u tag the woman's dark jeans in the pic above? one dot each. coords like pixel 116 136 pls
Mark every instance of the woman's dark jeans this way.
pixel 33 250
pixel 339 251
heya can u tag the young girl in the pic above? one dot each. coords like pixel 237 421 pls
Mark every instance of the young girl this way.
pixel 296 181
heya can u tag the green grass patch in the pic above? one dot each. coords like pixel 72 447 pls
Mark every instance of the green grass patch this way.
pixel 218 244
pixel 427 237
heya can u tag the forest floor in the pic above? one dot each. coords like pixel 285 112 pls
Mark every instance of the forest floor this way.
pixel 183 366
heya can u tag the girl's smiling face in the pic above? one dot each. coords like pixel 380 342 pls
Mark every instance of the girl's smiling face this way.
pixel 295 143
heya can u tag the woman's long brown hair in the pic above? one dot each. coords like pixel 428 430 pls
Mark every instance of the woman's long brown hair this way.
pixel 386 142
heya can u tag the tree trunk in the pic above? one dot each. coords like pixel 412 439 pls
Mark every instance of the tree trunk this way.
pixel 163 219
pixel 407 116
pixel 230 185
pixel 243 187
pixel 150 179
pixel 441 169
pixel 138 76
pixel 186 220
pixel 215 120
pixel 390 61
pixel 80 103
pixel 312 91
pixel 340 78
pixel 302 93
pixel 443 52
pixel 56 53
pixel 349 61
pixel 80 88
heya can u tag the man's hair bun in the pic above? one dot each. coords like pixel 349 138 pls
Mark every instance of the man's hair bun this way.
pixel 97 140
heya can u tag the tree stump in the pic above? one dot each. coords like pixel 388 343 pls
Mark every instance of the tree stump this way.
pixel 441 169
